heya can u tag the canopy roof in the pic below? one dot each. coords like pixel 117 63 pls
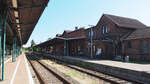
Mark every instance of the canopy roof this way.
pixel 58 40
pixel 139 34
pixel 23 15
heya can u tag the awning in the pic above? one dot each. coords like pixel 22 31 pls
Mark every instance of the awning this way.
pixel 23 16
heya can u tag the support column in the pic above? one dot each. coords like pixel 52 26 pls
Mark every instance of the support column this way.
pixel 14 50
pixel 4 48
pixel 3 19
pixel 1 24
pixel 65 47
pixel 18 50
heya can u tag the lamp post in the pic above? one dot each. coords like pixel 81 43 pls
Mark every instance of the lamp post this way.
pixel 91 39
pixel 91 42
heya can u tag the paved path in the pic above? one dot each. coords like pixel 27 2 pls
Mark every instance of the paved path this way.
pixel 131 66
pixel 17 72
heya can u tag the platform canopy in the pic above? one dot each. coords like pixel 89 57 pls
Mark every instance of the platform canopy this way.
pixel 23 15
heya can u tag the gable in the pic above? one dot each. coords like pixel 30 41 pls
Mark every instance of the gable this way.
pixel 125 22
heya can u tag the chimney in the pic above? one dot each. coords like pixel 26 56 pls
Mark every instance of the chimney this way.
pixel 76 28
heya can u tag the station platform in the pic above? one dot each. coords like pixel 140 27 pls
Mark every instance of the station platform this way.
pixel 125 65
pixel 17 72
pixel 129 71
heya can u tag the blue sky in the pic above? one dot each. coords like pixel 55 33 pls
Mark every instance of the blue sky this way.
pixel 62 15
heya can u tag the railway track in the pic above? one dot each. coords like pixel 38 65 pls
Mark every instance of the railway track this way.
pixel 107 78
pixel 104 76
pixel 45 74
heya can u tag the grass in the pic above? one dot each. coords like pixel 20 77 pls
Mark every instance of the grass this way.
pixel 80 77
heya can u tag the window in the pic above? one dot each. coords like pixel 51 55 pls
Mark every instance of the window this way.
pixel 129 45
pixel 104 29
pixel 144 46
pixel 91 33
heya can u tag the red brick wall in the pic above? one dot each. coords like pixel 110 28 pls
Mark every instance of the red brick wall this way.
pixel 135 51
pixel 112 28
pixel 107 49
pixel 75 33
pixel 59 49
pixel 75 46
pixel 104 21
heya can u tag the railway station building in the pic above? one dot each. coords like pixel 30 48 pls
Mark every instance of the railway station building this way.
pixel 114 35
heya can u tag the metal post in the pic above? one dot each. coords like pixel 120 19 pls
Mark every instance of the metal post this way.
pixel 17 50
pixel 4 46
pixel 91 42
pixel 20 50
pixel 64 47
pixel 67 48
pixel 14 50
pixel 1 23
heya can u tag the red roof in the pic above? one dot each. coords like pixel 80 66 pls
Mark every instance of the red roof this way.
pixel 125 22
pixel 139 34
pixel 67 31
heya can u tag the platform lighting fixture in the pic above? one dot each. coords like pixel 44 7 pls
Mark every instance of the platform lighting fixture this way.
pixel 14 3
pixel 18 26
pixel 16 14
pixel 19 29
pixel 17 20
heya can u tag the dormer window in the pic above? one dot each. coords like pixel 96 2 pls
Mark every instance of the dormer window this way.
pixel 104 29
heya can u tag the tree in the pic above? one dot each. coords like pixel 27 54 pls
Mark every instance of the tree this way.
pixel 83 27
pixel 49 38
pixel 32 43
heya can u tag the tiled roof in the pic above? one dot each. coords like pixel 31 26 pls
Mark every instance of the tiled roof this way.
pixel 75 38
pixel 77 30
pixel 139 34
pixel 67 31
pixel 125 22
